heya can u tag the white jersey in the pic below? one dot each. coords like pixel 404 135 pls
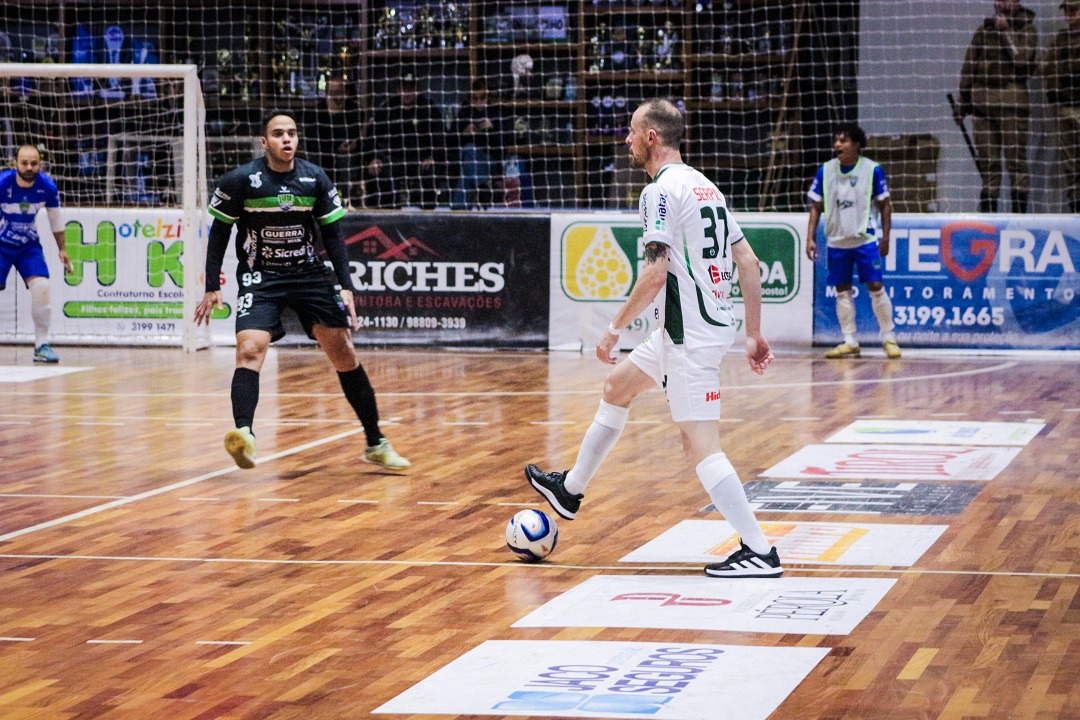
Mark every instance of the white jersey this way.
pixel 682 209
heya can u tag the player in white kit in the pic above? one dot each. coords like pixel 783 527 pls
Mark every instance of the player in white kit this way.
pixel 691 244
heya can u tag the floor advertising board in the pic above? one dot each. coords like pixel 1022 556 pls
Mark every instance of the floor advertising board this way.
pixel 938 432
pixel 871 497
pixel 814 543
pixel 811 606
pixel 894 462
pixel 592 679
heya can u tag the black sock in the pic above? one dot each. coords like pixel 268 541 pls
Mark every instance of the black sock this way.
pixel 245 396
pixel 361 396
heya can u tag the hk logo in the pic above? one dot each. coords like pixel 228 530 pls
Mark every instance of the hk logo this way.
pixel 666 599
pixel 712 396
pixel 256 179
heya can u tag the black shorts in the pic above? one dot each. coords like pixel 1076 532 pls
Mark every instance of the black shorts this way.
pixel 312 296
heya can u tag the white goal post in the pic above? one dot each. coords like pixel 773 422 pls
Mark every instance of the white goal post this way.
pixel 190 168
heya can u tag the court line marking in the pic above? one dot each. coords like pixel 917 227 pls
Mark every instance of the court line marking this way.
pixel 223 642
pixel 463 422
pixel 16 639
pixel 370 502
pixel 696 569
pixel 169 488
pixel 532 393
pixel 114 642
pixel 66 497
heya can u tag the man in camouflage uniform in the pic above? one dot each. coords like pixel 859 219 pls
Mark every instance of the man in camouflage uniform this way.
pixel 993 88
pixel 1061 68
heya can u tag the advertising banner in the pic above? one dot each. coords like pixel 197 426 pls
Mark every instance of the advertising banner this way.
pixel 810 606
pixel 426 278
pixel 816 543
pixel 599 679
pixel 971 281
pixel 937 432
pixel 128 284
pixel 894 462
pixel 866 497
pixel 595 260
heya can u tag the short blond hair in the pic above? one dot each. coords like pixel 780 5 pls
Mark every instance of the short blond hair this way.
pixel 663 118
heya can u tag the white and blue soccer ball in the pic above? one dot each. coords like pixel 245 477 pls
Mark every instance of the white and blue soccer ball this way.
pixel 532 535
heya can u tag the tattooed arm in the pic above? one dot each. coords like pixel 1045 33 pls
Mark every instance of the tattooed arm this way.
pixel 651 281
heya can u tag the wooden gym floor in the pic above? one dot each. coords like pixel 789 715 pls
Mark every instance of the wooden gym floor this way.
pixel 144 576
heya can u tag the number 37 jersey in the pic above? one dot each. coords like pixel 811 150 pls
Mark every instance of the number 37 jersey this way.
pixel 681 208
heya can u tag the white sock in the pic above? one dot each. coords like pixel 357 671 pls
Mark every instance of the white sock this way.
pixel 40 309
pixel 601 436
pixel 883 312
pixel 718 476
pixel 845 313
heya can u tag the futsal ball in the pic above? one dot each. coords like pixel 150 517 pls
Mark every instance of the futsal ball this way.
pixel 531 535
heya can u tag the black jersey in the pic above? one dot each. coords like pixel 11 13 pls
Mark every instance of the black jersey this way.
pixel 276 214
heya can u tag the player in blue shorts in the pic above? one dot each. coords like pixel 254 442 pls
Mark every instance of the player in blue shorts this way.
pixel 851 191
pixel 280 204
pixel 24 191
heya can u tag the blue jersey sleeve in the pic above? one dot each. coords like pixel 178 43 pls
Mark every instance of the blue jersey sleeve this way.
pixel 816 191
pixel 881 187
pixel 52 193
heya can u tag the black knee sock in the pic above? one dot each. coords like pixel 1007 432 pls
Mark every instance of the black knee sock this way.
pixel 361 396
pixel 245 396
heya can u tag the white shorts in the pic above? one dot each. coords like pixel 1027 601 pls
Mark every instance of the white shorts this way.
pixel 690 377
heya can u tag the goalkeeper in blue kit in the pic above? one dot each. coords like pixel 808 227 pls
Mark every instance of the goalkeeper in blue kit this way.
pixel 279 204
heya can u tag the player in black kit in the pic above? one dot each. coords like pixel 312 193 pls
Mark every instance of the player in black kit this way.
pixel 279 204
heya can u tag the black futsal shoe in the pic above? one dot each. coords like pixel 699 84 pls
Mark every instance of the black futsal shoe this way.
pixel 746 563
pixel 552 486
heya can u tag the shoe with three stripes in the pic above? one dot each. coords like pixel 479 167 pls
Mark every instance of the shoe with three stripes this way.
pixel 746 563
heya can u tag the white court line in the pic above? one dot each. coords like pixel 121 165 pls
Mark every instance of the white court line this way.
pixel 516 564
pixel 16 639
pixel 188 424
pixel 1070 410
pixel 1015 412
pixel 65 497
pixel 948 414
pixel 91 422
pixel 644 422
pixel 462 422
pixel 114 642
pixel 552 422
pixel 277 499
pixel 798 419
pixel 518 504
pixel 223 642
pixel 875 417
pixel 198 499
pixel 531 393
pixel 371 502
pixel 170 488
pixel 429 502
pixel 14 422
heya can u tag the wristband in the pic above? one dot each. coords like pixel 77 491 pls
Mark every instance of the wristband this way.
pixel 613 330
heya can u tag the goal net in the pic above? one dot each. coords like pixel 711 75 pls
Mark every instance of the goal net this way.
pixel 462 104
pixel 125 144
